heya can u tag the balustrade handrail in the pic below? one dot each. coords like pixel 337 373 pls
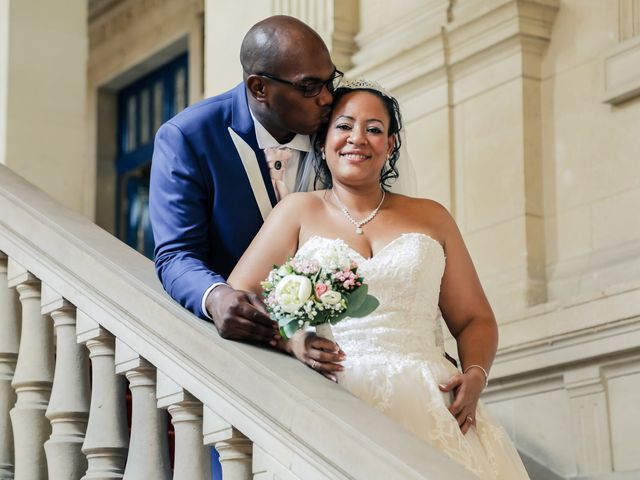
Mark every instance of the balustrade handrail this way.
pixel 272 399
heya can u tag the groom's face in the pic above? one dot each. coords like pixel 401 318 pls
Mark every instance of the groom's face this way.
pixel 291 107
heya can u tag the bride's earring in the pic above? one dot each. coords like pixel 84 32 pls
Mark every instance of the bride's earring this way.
pixel 322 155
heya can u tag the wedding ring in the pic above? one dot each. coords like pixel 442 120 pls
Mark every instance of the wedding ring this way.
pixel 314 364
pixel 470 419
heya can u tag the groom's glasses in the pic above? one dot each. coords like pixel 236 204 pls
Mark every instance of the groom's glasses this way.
pixel 310 89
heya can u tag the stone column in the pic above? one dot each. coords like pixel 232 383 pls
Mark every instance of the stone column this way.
pixel 192 457
pixel 68 408
pixel 234 448
pixel 148 449
pixel 590 420
pixel 106 441
pixel 493 57
pixel 9 342
pixel 32 380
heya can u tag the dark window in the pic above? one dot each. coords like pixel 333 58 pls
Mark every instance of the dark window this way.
pixel 142 107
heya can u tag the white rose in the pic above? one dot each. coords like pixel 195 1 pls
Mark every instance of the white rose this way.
pixel 331 297
pixel 292 292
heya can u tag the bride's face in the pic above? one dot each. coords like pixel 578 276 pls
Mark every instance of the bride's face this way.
pixel 358 140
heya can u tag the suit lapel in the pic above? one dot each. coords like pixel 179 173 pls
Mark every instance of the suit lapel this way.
pixel 243 135
pixel 252 169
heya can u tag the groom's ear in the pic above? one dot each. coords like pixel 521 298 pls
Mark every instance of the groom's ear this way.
pixel 257 88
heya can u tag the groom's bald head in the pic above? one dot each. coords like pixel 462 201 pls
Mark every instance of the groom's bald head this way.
pixel 280 57
pixel 278 43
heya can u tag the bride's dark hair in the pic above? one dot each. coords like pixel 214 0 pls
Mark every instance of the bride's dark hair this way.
pixel 389 171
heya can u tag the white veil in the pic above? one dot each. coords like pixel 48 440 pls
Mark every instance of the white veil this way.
pixel 406 183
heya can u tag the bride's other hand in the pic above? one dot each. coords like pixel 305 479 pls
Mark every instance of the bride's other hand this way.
pixel 317 353
pixel 466 388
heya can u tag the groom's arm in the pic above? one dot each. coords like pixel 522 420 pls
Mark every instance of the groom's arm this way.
pixel 178 208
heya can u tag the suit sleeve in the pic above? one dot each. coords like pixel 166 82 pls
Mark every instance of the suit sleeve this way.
pixel 179 207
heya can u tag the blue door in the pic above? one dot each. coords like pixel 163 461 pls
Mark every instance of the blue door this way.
pixel 142 107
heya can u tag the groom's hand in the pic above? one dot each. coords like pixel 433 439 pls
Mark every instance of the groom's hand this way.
pixel 240 315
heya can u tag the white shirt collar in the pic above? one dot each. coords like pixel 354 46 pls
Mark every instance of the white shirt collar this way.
pixel 301 143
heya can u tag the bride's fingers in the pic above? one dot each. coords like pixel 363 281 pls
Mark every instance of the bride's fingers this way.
pixel 452 383
pixel 323 364
pixel 458 403
pixel 320 343
pixel 328 370
pixel 466 419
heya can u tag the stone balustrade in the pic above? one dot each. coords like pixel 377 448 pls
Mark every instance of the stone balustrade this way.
pixel 266 414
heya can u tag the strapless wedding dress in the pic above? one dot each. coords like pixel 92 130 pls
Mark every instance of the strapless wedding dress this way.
pixel 395 356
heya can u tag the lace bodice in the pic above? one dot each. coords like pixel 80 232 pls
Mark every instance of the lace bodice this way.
pixel 395 358
pixel 405 277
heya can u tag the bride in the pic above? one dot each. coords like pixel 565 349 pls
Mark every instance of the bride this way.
pixel 411 254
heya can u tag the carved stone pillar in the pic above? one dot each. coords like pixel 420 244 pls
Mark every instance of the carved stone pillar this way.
pixel 69 405
pixel 106 441
pixel 336 21
pixel 32 380
pixel 9 343
pixel 234 448
pixel 590 420
pixel 192 457
pixel 493 54
pixel 148 449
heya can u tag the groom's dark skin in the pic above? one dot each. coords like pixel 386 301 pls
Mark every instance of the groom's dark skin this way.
pixel 288 49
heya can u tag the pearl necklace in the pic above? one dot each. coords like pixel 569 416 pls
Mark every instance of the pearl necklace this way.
pixel 364 221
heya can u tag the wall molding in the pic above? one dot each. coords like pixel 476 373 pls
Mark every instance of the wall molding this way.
pixel 621 67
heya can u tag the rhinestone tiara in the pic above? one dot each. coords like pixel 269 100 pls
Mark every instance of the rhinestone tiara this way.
pixel 361 83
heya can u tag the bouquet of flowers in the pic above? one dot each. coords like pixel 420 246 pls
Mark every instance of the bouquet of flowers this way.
pixel 317 290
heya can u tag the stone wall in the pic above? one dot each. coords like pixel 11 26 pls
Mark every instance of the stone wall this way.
pixel 43 56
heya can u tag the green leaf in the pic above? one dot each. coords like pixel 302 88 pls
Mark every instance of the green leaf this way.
pixel 356 298
pixel 287 331
pixel 336 319
pixel 368 305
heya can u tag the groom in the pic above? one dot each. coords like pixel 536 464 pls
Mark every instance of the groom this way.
pixel 221 165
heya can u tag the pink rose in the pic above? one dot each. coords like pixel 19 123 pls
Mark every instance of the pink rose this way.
pixel 321 288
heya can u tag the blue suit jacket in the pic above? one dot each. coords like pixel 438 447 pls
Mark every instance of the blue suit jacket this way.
pixel 202 208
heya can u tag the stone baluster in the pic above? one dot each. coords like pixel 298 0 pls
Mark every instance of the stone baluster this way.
pixel 32 379
pixel 148 449
pixel 9 342
pixel 192 458
pixel 234 448
pixel 69 404
pixel 106 441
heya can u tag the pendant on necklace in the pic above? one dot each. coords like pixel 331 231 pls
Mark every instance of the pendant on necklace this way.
pixel 359 231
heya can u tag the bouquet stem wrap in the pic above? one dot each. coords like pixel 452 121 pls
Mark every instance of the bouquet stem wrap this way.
pixel 324 330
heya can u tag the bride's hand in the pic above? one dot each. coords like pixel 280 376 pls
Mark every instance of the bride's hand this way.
pixel 467 388
pixel 318 353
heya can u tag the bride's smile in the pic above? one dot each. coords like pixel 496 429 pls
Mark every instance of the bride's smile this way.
pixel 358 139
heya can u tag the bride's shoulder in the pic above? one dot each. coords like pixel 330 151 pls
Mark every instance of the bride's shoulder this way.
pixel 421 206
pixel 300 201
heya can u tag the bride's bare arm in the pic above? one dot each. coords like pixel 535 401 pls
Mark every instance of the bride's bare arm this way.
pixel 275 242
pixel 470 319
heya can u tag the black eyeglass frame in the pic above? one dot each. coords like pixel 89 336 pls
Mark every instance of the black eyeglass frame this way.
pixel 308 90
